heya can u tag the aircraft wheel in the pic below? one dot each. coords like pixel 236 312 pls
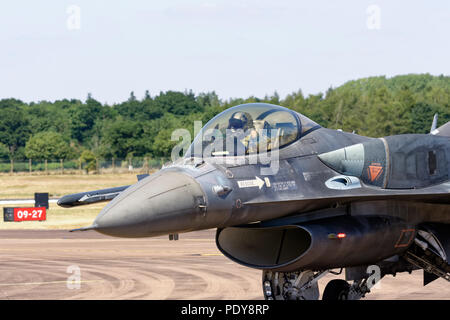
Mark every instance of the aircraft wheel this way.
pixel 289 285
pixel 336 290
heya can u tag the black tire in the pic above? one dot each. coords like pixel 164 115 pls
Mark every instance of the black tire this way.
pixel 336 290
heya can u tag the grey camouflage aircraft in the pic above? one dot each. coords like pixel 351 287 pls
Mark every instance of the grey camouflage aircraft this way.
pixel 298 201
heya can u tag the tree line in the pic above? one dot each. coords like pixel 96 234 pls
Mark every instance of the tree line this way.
pixel 70 129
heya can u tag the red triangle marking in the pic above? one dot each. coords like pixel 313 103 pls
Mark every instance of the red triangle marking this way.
pixel 374 171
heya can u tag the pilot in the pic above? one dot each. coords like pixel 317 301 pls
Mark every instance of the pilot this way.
pixel 251 141
pixel 257 140
pixel 239 120
pixel 238 124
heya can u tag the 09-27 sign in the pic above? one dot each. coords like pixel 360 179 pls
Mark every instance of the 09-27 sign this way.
pixel 29 214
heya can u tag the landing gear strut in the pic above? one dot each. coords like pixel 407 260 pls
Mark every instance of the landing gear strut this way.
pixel 302 285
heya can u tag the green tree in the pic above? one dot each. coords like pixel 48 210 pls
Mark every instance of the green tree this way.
pixel 83 118
pixel 373 106
pixel 178 103
pixel 48 145
pixel 87 157
pixel 14 127
pixel 4 151
pixel 123 137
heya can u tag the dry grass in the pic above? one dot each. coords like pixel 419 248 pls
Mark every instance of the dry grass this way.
pixel 24 187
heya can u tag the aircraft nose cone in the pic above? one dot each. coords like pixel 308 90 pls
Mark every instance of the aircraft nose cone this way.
pixel 166 202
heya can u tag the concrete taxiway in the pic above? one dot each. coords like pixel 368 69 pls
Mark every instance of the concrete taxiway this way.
pixel 88 265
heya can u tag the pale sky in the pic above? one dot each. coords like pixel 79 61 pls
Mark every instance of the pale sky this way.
pixel 237 48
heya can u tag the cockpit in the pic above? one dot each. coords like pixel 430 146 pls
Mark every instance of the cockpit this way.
pixel 250 129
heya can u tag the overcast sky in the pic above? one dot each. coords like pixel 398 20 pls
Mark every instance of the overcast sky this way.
pixel 64 49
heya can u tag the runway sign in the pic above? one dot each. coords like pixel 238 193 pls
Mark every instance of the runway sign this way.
pixel 24 214
pixel 41 199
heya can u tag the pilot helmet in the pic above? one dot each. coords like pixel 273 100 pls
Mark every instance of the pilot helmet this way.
pixel 239 120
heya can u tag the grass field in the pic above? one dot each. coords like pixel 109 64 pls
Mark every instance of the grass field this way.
pixel 24 187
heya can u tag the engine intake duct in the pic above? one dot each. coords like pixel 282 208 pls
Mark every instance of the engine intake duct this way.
pixel 320 244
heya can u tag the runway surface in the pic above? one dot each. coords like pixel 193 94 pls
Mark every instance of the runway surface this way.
pixel 87 265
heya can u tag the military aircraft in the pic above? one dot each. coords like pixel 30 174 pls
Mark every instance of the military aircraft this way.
pixel 298 201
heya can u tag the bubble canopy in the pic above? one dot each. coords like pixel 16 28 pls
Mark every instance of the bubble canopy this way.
pixel 248 129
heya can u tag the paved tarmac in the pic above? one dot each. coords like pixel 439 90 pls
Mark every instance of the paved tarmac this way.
pixel 87 265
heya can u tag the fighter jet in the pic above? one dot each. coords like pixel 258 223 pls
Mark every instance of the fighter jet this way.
pixel 297 201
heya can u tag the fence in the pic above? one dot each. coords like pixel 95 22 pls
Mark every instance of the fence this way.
pixel 98 166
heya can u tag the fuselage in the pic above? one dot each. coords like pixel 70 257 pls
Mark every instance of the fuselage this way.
pixel 223 189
